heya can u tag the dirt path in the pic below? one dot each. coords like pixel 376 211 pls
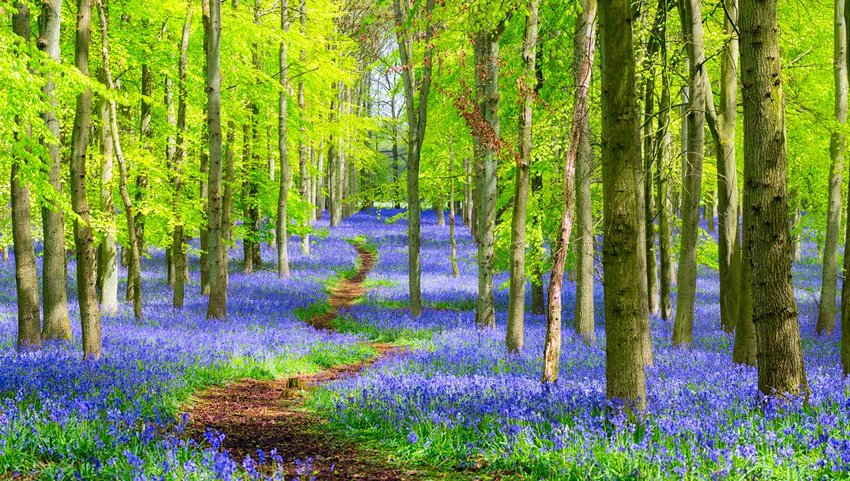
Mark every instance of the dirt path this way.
pixel 270 415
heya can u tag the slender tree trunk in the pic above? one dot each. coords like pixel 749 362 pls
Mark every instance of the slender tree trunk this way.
pixel 515 337
pixel 320 178
pixel 26 273
pixel 83 235
pixel 780 355
pixel 649 147
pixel 134 276
pixel 744 348
pixel 829 280
pixel 452 240
pixel 107 261
pixel 285 171
pixel 217 305
pixel 177 247
pixel 57 324
pixel 170 150
pixel 417 116
pixel 203 192
pixel 538 295
pixel 663 166
pixel 683 327
pixel 579 146
pixel 147 139
pixel 227 198
pixel 303 160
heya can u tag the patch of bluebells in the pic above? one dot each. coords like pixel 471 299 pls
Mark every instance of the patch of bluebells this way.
pixel 65 418
pixel 466 400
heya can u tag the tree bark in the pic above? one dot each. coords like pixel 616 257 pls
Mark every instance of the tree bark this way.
pixel 217 304
pixel 829 279
pixel 579 146
pixel 452 240
pixel 683 326
pixel 303 160
pixel 83 235
pixel 57 324
pixel 26 274
pixel 663 166
pixel 107 261
pixel 780 355
pixel 626 380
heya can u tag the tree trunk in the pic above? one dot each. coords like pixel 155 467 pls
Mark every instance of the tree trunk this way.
pixel 285 171
pixel 538 295
pixel 452 240
pixel 107 262
pixel 708 212
pixel 649 147
pixel 147 136
pixel 744 348
pixel 217 305
pixel 134 275
pixel 515 337
pixel 663 166
pixel 683 327
pixel 57 324
pixel 780 355
pixel 579 146
pixel 303 160
pixel 829 279
pixel 487 85
pixel 320 179
pixel 227 199
pixel 203 192
pixel 83 235
pixel 26 273
pixel 177 247
pixel 626 380
pixel 729 248
pixel 170 151
pixel 417 117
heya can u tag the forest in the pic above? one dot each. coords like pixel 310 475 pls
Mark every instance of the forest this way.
pixel 424 240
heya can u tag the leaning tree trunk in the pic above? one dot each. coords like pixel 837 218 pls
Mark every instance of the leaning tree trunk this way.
pixel 217 304
pixel 579 147
pixel 829 280
pixel 26 274
pixel 83 235
pixel 177 241
pixel 780 355
pixel 57 324
pixel 515 337
pixel 625 362
pixel 683 327
pixel 285 171
pixel 134 276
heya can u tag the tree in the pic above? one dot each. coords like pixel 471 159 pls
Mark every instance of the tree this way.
pixel 417 118
pixel 516 297
pixel 134 274
pixel 579 148
pixel 780 354
pixel 829 278
pixel 57 324
pixel 107 253
pixel 177 239
pixel 626 380
pixel 217 303
pixel 26 275
pixel 83 235
pixel 285 171
pixel 683 326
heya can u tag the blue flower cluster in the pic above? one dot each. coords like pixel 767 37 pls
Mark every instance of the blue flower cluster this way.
pixel 65 418
pixel 468 403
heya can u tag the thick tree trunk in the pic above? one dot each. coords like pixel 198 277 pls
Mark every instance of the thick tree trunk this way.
pixel 579 146
pixel 624 323
pixel 487 85
pixel 217 305
pixel 285 171
pixel 683 327
pixel 107 256
pixel 177 241
pixel 780 355
pixel 57 324
pixel 515 337
pixel 134 275
pixel 83 235
pixel 26 274
pixel 829 279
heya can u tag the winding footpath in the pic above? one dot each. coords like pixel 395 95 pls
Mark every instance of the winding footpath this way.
pixel 264 415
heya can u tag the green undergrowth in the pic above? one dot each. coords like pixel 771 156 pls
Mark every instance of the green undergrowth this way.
pixel 418 338
pixel 459 305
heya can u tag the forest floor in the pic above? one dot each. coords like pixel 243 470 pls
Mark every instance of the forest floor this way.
pixel 270 415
